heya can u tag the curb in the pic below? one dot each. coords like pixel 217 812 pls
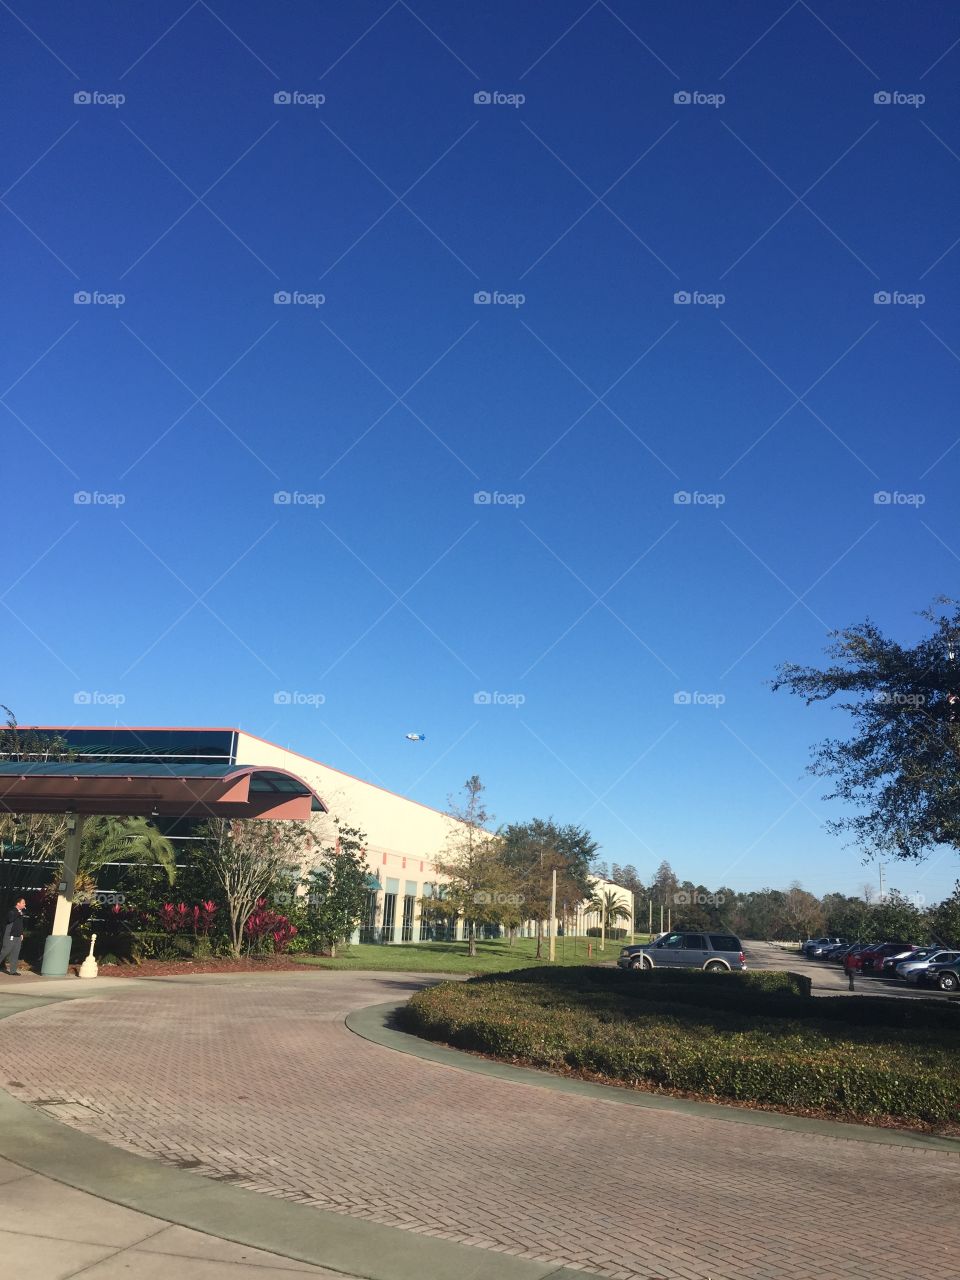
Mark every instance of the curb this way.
pixel 374 1023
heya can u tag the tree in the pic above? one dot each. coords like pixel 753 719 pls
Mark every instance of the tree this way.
pixel 627 878
pixel 129 839
pixel 896 918
pixel 533 850
pixel 248 858
pixel 29 837
pixel 477 879
pixel 944 920
pixel 337 889
pixel 665 884
pixel 902 766
pixel 800 913
pixel 610 907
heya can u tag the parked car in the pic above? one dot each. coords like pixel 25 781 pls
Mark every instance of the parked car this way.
pixel 713 952
pixel 944 975
pixel 835 948
pixel 911 970
pixel 855 956
pixel 809 947
pixel 823 949
pixel 874 958
pixel 837 954
pixel 888 966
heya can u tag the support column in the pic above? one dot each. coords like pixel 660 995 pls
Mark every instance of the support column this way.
pixel 56 949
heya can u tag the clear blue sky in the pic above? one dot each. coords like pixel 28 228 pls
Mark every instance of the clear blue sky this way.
pixel 199 599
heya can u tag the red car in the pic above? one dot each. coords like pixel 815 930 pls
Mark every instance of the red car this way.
pixel 872 961
pixel 856 959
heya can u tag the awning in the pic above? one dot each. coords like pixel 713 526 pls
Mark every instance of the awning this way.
pixel 188 789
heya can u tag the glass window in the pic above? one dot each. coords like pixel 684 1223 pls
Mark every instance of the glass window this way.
pixel 694 942
pixel 406 928
pixel 389 917
pixel 724 942
pixel 673 940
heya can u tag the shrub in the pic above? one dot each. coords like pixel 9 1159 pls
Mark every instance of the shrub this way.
pixel 612 935
pixel 266 929
pixel 750 1038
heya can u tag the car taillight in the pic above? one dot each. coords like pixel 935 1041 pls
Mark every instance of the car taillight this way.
pixel 743 958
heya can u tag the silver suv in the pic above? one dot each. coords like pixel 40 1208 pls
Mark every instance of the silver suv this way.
pixel 713 952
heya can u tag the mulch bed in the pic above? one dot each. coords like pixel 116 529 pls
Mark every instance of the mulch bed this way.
pixel 216 964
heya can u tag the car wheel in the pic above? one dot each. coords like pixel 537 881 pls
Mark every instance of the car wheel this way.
pixel 948 982
pixel 638 963
pixel 715 966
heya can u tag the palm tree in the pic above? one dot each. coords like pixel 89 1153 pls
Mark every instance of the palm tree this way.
pixel 610 907
pixel 130 839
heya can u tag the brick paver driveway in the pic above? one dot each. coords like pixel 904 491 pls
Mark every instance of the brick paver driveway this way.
pixel 257 1080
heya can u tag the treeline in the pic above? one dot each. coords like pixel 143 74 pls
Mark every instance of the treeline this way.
pixel 785 914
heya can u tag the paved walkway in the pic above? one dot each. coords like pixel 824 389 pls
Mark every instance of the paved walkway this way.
pixel 257 1082
pixel 53 1232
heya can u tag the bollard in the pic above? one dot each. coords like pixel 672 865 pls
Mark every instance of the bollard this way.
pixel 89 968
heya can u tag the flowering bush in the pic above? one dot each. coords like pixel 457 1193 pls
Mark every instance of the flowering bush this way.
pixel 265 924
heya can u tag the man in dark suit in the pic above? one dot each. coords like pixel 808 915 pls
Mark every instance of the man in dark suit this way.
pixel 13 937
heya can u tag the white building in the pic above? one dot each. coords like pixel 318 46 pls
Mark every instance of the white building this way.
pixel 404 837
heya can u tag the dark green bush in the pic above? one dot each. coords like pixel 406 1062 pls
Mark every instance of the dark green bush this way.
pixel 749 1043
pixel 612 935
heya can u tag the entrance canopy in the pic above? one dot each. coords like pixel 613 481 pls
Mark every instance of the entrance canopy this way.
pixel 195 789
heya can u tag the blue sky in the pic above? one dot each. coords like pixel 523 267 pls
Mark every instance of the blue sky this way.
pixel 583 597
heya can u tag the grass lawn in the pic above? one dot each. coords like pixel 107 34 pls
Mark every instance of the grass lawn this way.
pixel 452 957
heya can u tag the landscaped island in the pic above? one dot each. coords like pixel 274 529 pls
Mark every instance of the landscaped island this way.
pixel 758 1039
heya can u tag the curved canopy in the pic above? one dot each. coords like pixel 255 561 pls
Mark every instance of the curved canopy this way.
pixel 195 789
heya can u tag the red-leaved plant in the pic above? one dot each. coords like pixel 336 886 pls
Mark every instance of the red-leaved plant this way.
pixel 264 923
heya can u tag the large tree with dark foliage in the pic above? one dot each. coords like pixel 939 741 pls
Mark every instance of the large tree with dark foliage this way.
pixel 901 767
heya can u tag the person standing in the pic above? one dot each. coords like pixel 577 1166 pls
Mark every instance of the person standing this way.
pixel 13 937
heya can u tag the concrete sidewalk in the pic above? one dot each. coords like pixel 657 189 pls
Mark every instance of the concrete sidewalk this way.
pixel 51 1232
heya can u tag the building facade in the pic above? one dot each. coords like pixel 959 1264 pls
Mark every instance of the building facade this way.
pixel 403 837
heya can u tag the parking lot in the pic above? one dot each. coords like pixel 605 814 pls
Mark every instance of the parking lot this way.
pixel 830 979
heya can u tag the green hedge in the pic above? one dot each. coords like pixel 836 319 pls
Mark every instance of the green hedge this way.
pixel 794 1060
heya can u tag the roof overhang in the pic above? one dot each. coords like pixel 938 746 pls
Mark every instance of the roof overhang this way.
pixel 201 790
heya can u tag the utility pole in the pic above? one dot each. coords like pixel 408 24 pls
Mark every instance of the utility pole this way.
pixel 881 866
pixel 553 915
pixel 661 917
pixel 650 918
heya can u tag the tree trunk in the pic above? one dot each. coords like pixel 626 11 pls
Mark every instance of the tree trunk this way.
pixel 539 954
pixel 472 939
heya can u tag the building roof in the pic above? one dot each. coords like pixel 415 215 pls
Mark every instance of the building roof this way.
pixel 206 789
